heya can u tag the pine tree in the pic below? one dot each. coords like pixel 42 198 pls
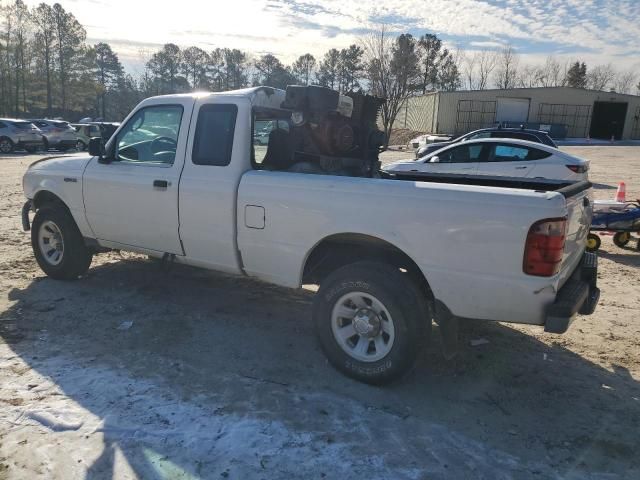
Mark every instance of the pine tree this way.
pixel 577 75
pixel 303 67
pixel 70 37
pixel 108 72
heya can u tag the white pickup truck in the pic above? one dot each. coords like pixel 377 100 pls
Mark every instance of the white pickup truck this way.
pixel 182 179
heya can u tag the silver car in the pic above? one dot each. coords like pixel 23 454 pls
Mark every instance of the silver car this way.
pixel 85 132
pixel 17 134
pixel 58 134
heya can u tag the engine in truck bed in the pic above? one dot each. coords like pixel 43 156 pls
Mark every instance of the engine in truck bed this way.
pixel 329 133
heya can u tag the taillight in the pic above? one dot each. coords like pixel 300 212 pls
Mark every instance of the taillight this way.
pixel 544 247
pixel 578 168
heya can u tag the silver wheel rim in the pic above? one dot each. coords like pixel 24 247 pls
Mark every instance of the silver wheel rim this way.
pixel 362 326
pixel 51 243
pixel 5 146
pixel 79 145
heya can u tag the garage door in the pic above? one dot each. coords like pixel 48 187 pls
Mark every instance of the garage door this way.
pixel 512 110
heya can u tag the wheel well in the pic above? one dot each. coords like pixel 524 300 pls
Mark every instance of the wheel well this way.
pixel 338 250
pixel 4 137
pixel 44 197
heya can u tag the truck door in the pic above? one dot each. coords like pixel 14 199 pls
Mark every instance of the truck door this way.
pixel 218 154
pixel 133 200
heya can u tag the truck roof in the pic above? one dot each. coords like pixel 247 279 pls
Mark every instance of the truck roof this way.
pixel 265 97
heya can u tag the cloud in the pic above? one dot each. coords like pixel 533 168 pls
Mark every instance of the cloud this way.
pixel 590 29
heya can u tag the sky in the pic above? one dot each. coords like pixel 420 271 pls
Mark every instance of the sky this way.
pixel 596 31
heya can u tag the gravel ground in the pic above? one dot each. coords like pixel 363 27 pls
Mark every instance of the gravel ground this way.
pixel 134 372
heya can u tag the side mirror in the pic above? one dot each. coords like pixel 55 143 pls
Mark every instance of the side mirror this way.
pixel 96 149
pixel 435 159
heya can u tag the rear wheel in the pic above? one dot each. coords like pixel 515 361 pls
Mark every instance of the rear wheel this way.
pixel 58 244
pixel 80 146
pixel 593 242
pixel 6 145
pixel 621 239
pixel 370 319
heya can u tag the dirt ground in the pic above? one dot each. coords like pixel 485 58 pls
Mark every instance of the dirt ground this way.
pixel 134 372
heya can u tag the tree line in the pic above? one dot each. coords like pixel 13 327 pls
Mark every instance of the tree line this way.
pixel 48 69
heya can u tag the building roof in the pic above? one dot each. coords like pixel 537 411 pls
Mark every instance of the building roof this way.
pixel 585 90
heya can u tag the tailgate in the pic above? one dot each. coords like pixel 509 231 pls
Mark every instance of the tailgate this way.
pixel 579 211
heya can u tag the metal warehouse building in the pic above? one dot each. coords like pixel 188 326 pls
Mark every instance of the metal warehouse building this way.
pixel 573 112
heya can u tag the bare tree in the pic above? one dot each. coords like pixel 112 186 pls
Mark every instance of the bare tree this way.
pixel 487 61
pixel 530 76
pixel 392 71
pixel 600 77
pixel 623 81
pixel 507 68
pixel 469 65
pixel 553 73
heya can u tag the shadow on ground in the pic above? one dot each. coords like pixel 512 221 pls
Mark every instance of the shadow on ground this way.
pixel 208 354
pixel 629 255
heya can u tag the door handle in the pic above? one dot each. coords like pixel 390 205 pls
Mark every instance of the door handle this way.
pixel 160 183
pixel 521 168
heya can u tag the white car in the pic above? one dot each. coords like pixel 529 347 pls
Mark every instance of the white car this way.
pixel 499 157
pixel 426 139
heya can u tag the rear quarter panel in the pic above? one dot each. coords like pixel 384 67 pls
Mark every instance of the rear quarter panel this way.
pixel 467 240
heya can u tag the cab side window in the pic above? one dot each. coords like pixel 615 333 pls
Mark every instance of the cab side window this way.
pixel 151 135
pixel 262 129
pixel 213 139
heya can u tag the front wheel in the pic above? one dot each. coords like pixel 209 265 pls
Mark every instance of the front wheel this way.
pixel 80 146
pixel 58 244
pixel 371 319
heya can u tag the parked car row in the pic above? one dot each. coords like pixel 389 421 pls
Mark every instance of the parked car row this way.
pixel 43 134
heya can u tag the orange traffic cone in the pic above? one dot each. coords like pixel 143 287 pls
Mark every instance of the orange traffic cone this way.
pixel 621 193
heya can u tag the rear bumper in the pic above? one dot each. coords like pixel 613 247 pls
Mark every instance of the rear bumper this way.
pixel 579 294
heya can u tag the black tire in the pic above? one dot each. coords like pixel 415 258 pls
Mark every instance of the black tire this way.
pixel 80 146
pixel 75 258
pixel 6 145
pixel 593 242
pixel 403 300
pixel 621 239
